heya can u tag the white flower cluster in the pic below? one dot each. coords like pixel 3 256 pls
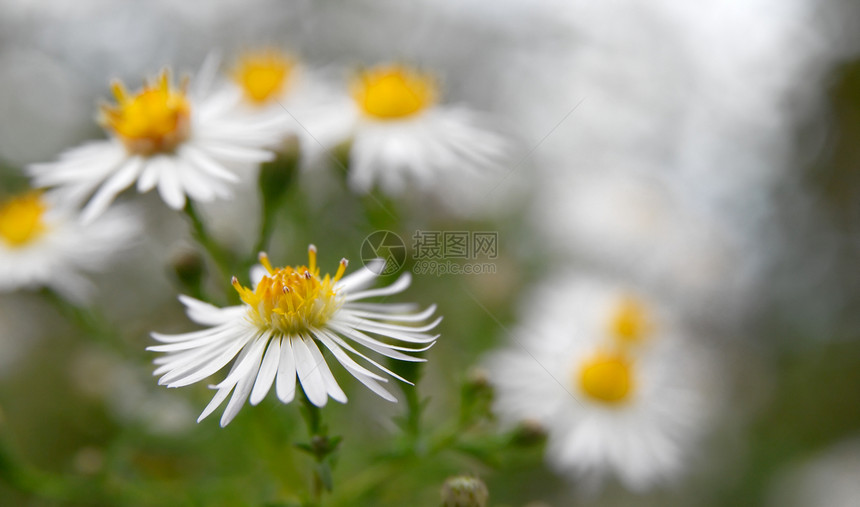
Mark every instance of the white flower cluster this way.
pixel 196 139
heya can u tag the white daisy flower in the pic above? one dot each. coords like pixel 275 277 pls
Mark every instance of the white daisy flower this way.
pixel 275 336
pixel 604 371
pixel 185 142
pixel 402 137
pixel 296 99
pixel 43 245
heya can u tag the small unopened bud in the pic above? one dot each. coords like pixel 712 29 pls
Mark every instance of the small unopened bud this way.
pixel 478 379
pixel 464 491
pixel 189 268
pixel 529 432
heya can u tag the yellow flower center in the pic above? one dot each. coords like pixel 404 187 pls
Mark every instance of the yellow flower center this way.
pixel 630 323
pixel 607 378
pixel 263 75
pixel 393 92
pixel 21 219
pixel 292 300
pixel 157 119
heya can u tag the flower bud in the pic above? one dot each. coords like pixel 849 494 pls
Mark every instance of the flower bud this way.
pixel 528 433
pixel 464 491
pixel 189 269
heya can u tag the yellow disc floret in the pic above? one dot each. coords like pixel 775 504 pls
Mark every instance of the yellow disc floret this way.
pixel 393 91
pixel 22 219
pixel 630 322
pixel 292 300
pixel 157 119
pixel 263 75
pixel 607 378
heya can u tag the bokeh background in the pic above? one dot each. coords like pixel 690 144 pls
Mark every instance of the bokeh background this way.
pixel 709 151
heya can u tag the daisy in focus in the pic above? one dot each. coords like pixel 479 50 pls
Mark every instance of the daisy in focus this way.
pixel 277 335
pixel 45 245
pixel 606 374
pixel 185 141
pixel 402 136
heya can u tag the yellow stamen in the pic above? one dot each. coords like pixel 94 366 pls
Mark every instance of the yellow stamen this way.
pixel 312 257
pixel 607 378
pixel 630 322
pixel 393 91
pixel 264 75
pixel 157 119
pixel 22 219
pixel 292 300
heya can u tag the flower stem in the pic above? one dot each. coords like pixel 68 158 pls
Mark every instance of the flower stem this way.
pixel 221 257
pixel 322 447
pixel 414 407
pixel 276 179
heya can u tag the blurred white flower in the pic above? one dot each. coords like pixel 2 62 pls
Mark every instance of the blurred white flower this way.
pixel 403 137
pixel 828 477
pixel 296 99
pixel 185 142
pixel 45 245
pixel 602 368
pixel 274 336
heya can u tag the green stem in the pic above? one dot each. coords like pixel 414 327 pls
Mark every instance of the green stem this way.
pixel 322 447
pixel 221 257
pixel 414 408
pixel 267 226
pixel 275 181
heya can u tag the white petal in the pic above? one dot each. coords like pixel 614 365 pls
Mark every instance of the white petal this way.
pixel 243 388
pixel 342 357
pixel 400 285
pixel 238 154
pixel 197 339
pixel 152 172
pixel 385 349
pixel 206 164
pixel 170 189
pixel 257 274
pixel 414 317
pixel 360 373
pixel 382 327
pixel 267 373
pixel 285 385
pixel 309 373
pixel 363 277
pixel 122 179
pixel 208 314
pixel 173 380
pixel 349 348
pixel 251 362
pixel 405 337
pixel 216 401
pixel 332 388
pixel 386 308
pixel 207 75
